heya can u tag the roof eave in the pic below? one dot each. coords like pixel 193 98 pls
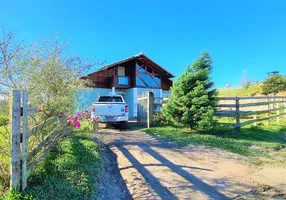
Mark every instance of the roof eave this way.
pixel 129 59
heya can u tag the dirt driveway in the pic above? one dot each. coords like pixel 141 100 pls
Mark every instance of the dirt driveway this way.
pixel 148 168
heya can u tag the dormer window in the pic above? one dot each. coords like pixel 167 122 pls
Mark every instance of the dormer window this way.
pixel 122 79
pixel 121 71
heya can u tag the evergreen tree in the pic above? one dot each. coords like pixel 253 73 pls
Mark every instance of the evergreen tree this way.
pixel 193 98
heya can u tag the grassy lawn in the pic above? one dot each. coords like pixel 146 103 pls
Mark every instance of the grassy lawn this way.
pixel 257 142
pixel 70 171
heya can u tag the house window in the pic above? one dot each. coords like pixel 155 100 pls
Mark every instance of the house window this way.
pixel 121 71
pixel 139 82
pixel 158 80
pixel 139 68
pixel 122 80
pixel 147 78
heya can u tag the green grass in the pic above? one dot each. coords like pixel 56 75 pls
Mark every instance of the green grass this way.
pixel 250 141
pixel 70 171
pixel 4 159
pixel 233 92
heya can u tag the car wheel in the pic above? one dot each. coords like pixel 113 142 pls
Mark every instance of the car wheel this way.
pixel 123 125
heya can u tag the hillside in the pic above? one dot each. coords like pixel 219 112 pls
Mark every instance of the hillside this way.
pixel 252 90
pixel 243 91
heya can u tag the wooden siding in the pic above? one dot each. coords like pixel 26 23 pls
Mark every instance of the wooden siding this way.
pixel 101 78
pixel 108 77
pixel 166 83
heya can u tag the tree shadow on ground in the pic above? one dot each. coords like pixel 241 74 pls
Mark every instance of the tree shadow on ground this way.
pixel 153 182
pixel 131 145
pixel 112 184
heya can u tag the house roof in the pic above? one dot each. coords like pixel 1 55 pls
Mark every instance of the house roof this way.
pixel 143 58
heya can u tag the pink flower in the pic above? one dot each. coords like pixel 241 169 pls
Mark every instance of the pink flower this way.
pixel 69 122
pixel 94 118
pixel 73 119
pixel 84 113
pixel 60 116
pixel 77 124
pixel 40 110
pixel 78 115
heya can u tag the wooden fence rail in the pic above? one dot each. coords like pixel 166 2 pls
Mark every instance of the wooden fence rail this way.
pixel 235 107
pixel 22 161
pixel 275 101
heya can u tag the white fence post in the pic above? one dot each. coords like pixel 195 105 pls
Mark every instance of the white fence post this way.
pixel 237 123
pixel 285 107
pixel 15 167
pixel 150 108
pixel 24 140
pixel 268 113
pixel 278 112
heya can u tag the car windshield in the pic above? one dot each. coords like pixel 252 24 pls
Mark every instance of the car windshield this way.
pixel 109 99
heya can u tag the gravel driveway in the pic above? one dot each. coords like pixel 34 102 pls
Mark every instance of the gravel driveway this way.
pixel 140 166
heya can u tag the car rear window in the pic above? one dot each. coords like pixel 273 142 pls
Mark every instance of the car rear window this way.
pixel 109 99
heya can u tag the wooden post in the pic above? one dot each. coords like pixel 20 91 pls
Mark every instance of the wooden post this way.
pixel 150 104
pixel 272 105
pixel 138 115
pixel 255 117
pixel 24 139
pixel 285 107
pixel 15 166
pixel 278 112
pixel 268 113
pixel 237 123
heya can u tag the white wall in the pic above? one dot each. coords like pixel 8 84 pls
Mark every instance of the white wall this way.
pixel 129 98
pixel 87 96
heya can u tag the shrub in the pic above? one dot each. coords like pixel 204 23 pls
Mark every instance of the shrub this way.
pixel 246 85
pixel 4 120
pixel 51 79
pixel 159 118
pixel 4 155
pixel 274 84
pixel 4 108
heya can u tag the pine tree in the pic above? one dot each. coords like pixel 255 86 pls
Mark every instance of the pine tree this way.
pixel 193 99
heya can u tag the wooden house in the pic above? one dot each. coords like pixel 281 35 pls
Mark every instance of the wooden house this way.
pixel 129 77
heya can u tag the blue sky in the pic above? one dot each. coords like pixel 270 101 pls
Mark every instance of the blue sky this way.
pixel 242 36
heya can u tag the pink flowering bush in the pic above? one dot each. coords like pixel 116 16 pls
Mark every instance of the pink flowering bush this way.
pixel 74 121
pixel 94 121
pixel 81 117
